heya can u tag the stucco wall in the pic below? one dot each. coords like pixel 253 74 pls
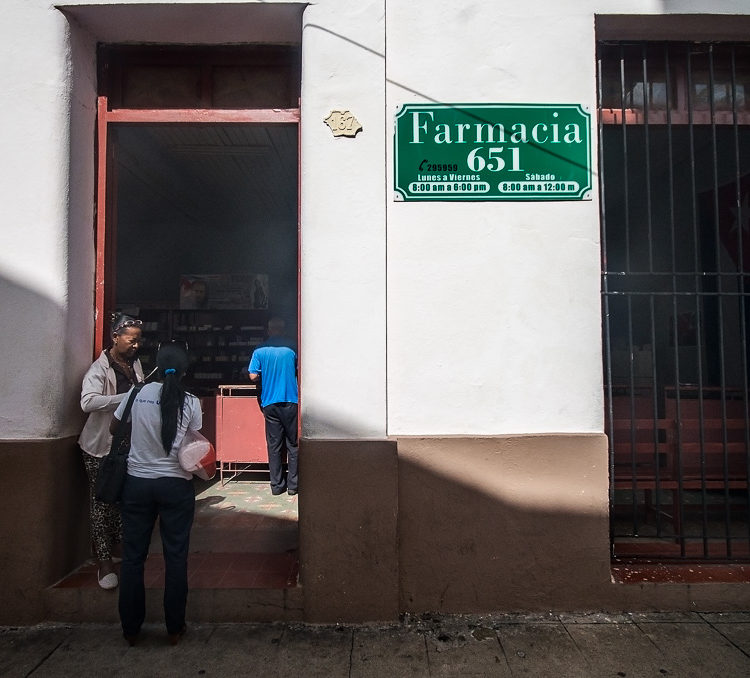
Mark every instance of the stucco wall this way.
pixel 343 249
pixel 503 523
pixel 496 304
pixel 44 527
pixel 428 319
pixel 493 308
pixel 468 524
pixel 48 181
pixel 34 291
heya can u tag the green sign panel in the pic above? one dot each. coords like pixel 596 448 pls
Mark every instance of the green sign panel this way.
pixel 492 152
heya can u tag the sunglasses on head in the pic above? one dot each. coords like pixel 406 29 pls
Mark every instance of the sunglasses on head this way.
pixel 127 323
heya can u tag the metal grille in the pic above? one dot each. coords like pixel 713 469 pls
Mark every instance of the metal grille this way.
pixel 674 157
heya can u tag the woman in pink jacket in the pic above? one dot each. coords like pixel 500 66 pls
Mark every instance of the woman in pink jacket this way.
pixel 106 383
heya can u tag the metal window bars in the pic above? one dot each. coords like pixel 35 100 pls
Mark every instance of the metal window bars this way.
pixel 674 159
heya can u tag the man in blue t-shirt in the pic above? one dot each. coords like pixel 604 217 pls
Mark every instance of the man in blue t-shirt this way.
pixel 274 364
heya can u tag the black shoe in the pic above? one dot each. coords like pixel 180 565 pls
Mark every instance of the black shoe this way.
pixel 291 493
pixel 130 638
pixel 275 491
pixel 175 638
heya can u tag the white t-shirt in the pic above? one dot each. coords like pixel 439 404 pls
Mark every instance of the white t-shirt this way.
pixel 147 458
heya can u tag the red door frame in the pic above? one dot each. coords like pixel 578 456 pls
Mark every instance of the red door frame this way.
pixel 105 215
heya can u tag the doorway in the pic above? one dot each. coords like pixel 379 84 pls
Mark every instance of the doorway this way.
pixel 206 250
pixel 197 235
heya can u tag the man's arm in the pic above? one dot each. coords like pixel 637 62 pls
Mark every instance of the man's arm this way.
pixel 254 368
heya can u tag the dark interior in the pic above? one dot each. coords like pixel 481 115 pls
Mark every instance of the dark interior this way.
pixel 212 209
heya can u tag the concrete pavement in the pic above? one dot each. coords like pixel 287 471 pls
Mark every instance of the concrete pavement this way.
pixel 703 645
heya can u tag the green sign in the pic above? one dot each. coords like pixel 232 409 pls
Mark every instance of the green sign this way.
pixel 492 152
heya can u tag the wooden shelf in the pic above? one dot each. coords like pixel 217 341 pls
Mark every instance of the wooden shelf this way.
pixel 220 342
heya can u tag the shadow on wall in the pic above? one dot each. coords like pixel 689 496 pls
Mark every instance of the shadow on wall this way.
pixel 43 495
pixel 519 524
pixel 324 423
pixel 507 523
pixel 37 371
pixel 454 524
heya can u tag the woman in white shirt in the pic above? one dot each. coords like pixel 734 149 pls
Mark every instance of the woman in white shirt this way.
pixel 157 486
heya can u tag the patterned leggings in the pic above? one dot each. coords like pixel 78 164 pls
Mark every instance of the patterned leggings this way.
pixel 106 526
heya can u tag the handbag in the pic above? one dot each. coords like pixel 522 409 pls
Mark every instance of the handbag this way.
pixel 197 455
pixel 114 466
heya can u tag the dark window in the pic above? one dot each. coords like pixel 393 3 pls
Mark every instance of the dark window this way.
pixel 674 133
pixel 261 76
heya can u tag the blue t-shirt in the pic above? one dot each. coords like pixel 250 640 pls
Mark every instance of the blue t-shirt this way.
pixel 276 363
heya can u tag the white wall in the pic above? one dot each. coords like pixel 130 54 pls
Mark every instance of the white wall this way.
pixel 493 322
pixel 34 82
pixel 47 179
pixel 494 308
pixel 343 223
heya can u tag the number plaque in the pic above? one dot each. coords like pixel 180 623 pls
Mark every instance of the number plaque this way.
pixel 343 124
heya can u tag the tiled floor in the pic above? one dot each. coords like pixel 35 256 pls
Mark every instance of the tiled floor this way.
pixel 242 537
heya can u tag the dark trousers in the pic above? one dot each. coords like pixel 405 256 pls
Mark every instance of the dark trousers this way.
pixel 281 430
pixel 172 500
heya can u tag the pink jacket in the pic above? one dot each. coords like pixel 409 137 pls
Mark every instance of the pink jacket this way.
pixel 100 399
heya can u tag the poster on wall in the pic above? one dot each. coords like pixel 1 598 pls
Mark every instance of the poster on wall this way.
pixel 223 291
pixel 522 152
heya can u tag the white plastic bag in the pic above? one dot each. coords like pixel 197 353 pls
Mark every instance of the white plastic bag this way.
pixel 197 455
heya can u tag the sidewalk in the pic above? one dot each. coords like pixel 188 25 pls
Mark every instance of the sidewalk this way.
pixel 703 645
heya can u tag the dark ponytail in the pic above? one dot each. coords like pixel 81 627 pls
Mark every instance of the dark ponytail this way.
pixel 172 362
